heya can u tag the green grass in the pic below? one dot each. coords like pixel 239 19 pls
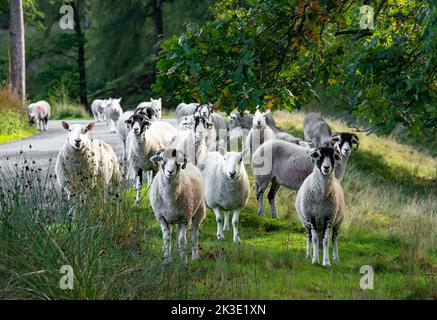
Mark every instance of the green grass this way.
pixel 115 249
pixel 13 119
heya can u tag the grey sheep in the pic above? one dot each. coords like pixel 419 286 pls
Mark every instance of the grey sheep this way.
pixel 320 205
pixel 316 130
pixel 177 197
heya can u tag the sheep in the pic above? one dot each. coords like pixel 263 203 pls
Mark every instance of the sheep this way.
pixel 149 111
pixel 39 113
pixel 184 109
pixel 220 123
pixel 193 143
pixel 186 123
pixel 82 161
pixel 320 205
pixel 156 104
pixel 98 108
pixel 259 133
pixel 316 130
pixel 286 164
pixel 123 129
pixel 113 113
pixel 244 121
pixel 144 140
pixel 226 187
pixel 177 197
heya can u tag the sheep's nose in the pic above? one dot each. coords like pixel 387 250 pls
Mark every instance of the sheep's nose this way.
pixel 232 174
pixel 77 141
pixel 259 123
pixel 326 168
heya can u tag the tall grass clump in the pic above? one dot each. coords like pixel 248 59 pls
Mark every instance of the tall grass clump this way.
pixel 13 119
pixel 63 108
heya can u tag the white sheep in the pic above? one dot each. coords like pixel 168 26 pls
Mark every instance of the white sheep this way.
pixel 220 123
pixel 177 197
pixel 39 113
pixel 156 104
pixel 185 123
pixel 113 113
pixel 260 132
pixel 83 161
pixel 98 108
pixel 192 143
pixel 226 187
pixel 320 204
pixel 144 140
pixel 123 129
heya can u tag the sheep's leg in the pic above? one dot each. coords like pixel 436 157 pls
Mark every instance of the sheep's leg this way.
pixel 139 185
pixel 326 262
pixel 149 178
pixel 260 188
pixel 182 240
pixel 218 219
pixel 335 244
pixel 226 224
pixel 195 227
pixel 166 237
pixel 235 226
pixel 274 187
pixel 46 120
pixel 96 117
pixel 315 246
pixel 309 239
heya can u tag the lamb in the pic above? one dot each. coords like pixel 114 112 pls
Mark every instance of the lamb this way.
pixel 156 104
pixel 286 164
pixel 184 109
pixel 144 140
pixel 320 205
pixel 193 143
pixel 316 130
pixel 226 187
pixel 259 133
pixel 98 108
pixel 177 197
pixel 39 113
pixel 82 161
pixel 113 113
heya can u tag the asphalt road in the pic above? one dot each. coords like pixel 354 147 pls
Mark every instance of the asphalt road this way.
pixel 46 145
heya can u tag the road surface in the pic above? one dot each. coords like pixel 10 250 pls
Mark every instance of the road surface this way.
pixel 46 145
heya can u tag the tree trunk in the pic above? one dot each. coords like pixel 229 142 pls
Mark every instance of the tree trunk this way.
pixel 17 62
pixel 157 19
pixel 83 90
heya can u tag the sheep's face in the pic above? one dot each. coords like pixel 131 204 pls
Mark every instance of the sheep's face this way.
pixel 204 110
pixel 325 159
pixel 187 122
pixel 344 141
pixel 77 134
pixel 259 119
pixel 201 125
pixel 114 103
pixel 172 162
pixel 103 105
pixel 233 164
pixel 138 123
pixel 33 114
pixel 148 111
pixel 233 121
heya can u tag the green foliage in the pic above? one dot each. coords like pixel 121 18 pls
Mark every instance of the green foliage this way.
pixel 276 53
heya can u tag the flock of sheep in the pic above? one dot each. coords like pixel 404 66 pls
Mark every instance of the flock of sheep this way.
pixel 189 167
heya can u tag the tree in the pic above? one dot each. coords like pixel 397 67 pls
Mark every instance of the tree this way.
pixel 17 60
pixel 284 53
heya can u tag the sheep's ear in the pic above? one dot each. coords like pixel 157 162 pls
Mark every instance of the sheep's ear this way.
pixel 222 151
pixel 335 138
pixel 156 159
pixel 65 125
pixel 267 112
pixel 90 126
pixel 184 164
pixel 355 140
pixel 128 121
pixel 337 156
pixel 209 125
